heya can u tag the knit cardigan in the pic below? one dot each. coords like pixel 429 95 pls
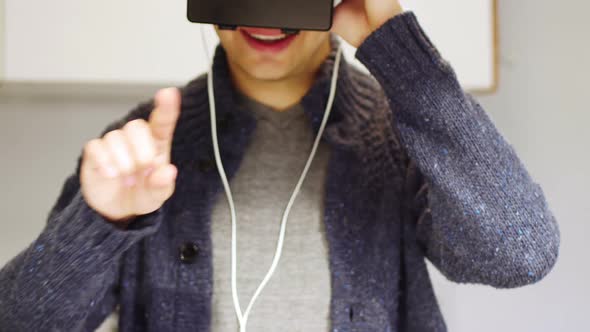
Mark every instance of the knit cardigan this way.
pixel 417 171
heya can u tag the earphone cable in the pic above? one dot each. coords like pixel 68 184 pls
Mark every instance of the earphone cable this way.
pixel 243 317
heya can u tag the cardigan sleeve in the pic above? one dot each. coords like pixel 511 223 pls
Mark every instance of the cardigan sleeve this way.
pixel 482 218
pixel 66 279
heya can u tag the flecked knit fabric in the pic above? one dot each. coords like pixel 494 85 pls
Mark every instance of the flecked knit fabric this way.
pixel 417 171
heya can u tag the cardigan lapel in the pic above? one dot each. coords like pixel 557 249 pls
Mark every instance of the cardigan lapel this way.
pixel 353 204
pixel 235 127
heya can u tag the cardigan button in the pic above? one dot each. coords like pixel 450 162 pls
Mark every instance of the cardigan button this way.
pixel 355 312
pixel 205 165
pixel 225 121
pixel 189 252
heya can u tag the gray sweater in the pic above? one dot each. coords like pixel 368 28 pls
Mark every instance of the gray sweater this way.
pixel 417 171
pixel 298 295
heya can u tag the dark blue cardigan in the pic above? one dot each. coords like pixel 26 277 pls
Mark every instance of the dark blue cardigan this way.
pixel 418 170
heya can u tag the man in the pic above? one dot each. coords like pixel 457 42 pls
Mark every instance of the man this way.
pixel 410 167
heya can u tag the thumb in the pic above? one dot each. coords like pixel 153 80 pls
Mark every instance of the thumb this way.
pixel 350 21
pixel 162 182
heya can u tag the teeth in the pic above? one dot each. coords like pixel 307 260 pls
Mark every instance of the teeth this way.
pixel 267 38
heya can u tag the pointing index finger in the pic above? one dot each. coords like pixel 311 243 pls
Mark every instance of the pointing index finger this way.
pixel 163 118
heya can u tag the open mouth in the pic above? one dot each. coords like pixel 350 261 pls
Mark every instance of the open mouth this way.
pixel 267 40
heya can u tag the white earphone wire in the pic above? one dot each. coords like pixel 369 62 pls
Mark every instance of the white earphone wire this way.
pixel 204 43
pixel 243 317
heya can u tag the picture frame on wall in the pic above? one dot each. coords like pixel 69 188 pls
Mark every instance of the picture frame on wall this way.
pixel 2 36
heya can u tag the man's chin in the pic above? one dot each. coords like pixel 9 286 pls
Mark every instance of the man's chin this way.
pixel 267 74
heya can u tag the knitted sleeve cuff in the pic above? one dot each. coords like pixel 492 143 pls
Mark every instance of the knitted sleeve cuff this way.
pixel 88 236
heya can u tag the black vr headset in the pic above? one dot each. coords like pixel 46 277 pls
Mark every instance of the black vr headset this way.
pixel 289 16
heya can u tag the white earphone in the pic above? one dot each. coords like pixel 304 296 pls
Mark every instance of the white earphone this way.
pixel 243 316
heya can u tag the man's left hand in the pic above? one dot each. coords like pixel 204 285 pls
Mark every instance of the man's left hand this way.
pixel 355 20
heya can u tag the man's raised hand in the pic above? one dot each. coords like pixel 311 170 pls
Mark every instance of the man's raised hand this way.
pixel 127 172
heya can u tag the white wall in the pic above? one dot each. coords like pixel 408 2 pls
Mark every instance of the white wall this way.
pixel 541 108
pixel 152 41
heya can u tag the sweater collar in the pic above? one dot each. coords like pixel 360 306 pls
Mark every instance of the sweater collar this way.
pixel 348 111
pixel 314 102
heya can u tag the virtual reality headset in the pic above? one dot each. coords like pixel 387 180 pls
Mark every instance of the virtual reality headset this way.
pixel 287 15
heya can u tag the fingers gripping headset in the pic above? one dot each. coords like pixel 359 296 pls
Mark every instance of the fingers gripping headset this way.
pixel 229 14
